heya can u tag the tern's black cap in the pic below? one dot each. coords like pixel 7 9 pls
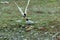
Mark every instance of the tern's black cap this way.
pixel 24 15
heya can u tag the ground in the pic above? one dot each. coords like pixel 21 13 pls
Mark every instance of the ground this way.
pixel 45 12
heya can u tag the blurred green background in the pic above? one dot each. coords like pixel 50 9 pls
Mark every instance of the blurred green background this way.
pixel 45 12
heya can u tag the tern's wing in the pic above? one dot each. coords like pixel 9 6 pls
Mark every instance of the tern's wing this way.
pixel 27 6
pixel 19 9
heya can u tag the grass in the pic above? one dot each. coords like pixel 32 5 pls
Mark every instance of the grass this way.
pixel 49 11
pixel 45 12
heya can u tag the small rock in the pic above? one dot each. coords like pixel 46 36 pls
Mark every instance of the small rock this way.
pixel 29 28
pixel 41 28
pixel 14 28
pixel 18 21
pixel 38 38
pixel 52 26
pixel 46 39
pixel 46 32
pixel 22 36
pixel 4 2
pixel 25 39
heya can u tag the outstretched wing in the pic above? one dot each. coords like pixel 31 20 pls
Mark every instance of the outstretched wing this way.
pixel 27 6
pixel 19 9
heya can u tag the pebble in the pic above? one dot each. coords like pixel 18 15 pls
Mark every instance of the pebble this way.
pixel 25 39
pixel 52 26
pixel 22 36
pixel 29 28
pixel 46 32
pixel 4 2
pixel 41 28
pixel 18 21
